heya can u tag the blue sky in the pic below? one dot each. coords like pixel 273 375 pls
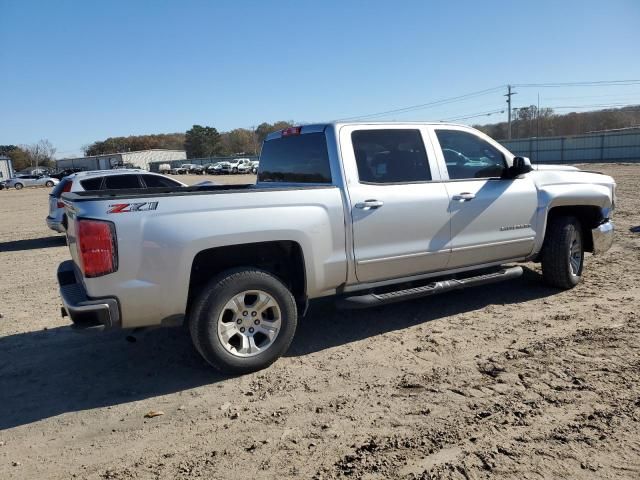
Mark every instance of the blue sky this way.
pixel 79 71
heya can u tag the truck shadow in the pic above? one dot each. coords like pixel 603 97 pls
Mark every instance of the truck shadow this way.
pixel 51 372
pixel 33 243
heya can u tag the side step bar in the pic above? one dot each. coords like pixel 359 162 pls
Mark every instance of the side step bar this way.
pixel 375 299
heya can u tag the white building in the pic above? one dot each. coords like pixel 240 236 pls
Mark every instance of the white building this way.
pixel 139 159
pixel 6 168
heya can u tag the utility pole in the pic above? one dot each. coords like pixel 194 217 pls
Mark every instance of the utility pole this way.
pixel 508 95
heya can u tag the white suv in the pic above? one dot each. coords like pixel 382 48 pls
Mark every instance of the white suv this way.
pixel 101 180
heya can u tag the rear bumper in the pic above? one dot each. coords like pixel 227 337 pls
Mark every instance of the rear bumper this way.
pixel 55 225
pixel 602 237
pixel 85 312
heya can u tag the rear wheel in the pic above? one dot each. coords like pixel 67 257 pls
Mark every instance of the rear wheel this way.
pixel 49 184
pixel 235 170
pixel 18 186
pixel 563 253
pixel 243 321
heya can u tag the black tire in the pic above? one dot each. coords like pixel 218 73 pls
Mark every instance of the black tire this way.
pixel 207 308
pixel 49 184
pixel 18 186
pixel 234 171
pixel 559 248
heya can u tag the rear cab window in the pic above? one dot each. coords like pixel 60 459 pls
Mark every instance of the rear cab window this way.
pixel 297 158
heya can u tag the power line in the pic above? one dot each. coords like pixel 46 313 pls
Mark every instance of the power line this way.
pixel 423 105
pixel 601 83
pixel 473 115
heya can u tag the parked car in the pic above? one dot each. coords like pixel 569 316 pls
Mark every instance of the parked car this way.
pixel 240 165
pixel 245 166
pixel 181 170
pixel 192 168
pixel 20 181
pixel 255 164
pixel 164 168
pixel 221 167
pixel 368 213
pixel 116 179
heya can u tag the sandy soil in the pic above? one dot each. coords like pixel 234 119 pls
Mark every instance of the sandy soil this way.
pixel 513 380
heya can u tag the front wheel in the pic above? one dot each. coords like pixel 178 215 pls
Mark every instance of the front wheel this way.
pixel 49 184
pixel 235 170
pixel 243 321
pixel 18 186
pixel 563 253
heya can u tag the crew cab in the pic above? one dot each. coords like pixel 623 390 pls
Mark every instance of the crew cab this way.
pixel 370 213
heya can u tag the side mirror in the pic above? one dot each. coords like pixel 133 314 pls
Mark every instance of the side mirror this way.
pixel 520 166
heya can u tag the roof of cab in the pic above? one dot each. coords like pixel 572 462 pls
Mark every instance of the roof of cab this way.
pixel 319 127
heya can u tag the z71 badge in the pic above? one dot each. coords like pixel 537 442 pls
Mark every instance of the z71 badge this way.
pixel 132 207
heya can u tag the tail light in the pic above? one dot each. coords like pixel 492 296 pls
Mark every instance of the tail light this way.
pixel 65 188
pixel 96 242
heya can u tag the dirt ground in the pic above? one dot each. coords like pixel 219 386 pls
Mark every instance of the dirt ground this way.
pixel 512 380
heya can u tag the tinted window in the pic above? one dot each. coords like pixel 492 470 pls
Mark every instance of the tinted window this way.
pixel 390 156
pixel 121 181
pixel 155 181
pixel 469 156
pixel 92 183
pixel 295 158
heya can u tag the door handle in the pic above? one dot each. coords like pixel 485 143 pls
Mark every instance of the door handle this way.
pixel 464 197
pixel 369 204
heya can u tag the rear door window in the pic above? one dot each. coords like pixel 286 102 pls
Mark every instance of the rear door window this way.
pixel 117 182
pixel 295 158
pixel 390 156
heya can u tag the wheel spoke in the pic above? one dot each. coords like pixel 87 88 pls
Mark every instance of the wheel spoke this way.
pixel 269 330
pixel 253 348
pixel 238 302
pixel 263 303
pixel 245 347
pixel 226 331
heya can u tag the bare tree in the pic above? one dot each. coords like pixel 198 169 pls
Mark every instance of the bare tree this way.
pixel 40 153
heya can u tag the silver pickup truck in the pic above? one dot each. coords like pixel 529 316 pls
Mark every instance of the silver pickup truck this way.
pixel 370 213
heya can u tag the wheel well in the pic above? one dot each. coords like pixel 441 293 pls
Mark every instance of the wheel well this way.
pixel 589 216
pixel 284 259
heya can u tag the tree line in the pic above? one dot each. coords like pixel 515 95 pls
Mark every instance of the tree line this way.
pixel 40 154
pixel 544 122
pixel 205 141
pixel 199 141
